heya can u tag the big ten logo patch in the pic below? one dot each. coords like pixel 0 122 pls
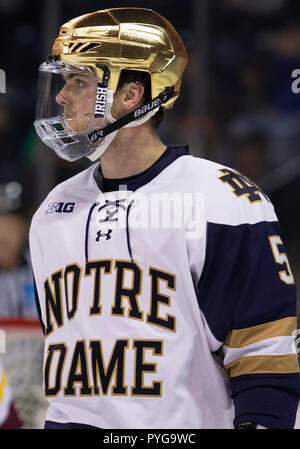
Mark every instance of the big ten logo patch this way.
pixel 60 207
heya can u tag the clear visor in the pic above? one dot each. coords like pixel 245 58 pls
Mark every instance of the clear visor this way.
pixel 71 103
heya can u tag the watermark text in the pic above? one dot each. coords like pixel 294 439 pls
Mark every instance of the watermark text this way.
pixel 2 82
pixel 2 342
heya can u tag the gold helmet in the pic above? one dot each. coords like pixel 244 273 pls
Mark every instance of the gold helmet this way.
pixel 107 42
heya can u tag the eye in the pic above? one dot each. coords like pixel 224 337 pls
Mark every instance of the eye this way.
pixel 80 83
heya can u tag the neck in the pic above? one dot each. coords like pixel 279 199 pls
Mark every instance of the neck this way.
pixel 132 151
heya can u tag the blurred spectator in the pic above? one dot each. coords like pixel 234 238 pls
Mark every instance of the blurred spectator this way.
pixel 9 418
pixel 15 276
pixel 254 61
pixel 16 281
pixel 8 139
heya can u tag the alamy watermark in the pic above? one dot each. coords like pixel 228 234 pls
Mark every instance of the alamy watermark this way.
pixel 296 83
pixel 2 342
pixel 2 82
pixel 296 336
pixel 156 210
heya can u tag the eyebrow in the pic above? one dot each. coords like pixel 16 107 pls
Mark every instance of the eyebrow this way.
pixel 69 76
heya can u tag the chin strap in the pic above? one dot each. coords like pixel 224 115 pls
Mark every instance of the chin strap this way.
pixel 151 106
pixel 138 121
pixel 96 154
pixel 134 118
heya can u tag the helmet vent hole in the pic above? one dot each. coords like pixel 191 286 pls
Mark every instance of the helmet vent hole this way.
pixel 76 47
pixel 82 48
pixel 89 47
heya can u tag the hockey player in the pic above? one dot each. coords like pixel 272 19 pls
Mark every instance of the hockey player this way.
pixel 164 291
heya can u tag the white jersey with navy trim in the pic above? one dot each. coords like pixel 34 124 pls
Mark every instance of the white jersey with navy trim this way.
pixel 168 305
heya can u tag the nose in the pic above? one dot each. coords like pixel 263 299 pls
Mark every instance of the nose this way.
pixel 62 98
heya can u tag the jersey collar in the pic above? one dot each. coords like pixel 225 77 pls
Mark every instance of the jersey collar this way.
pixel 135 182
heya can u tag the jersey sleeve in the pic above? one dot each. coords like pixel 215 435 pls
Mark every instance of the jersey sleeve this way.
pixel 247 296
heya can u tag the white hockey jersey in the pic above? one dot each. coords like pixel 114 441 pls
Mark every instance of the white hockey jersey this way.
pixel 168 304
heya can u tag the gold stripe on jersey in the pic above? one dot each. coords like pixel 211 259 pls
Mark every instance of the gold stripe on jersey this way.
pixel 260 364
pixel 3 383
pixel 244 337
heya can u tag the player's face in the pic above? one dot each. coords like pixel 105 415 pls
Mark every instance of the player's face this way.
pixel 77 97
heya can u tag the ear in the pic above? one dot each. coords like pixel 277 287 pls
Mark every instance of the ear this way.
pixel 133 94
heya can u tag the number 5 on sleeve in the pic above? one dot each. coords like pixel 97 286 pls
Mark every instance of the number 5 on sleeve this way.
pixel 281 258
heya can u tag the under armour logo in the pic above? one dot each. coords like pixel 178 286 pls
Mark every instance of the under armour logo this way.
pixel 104 234
pixel 111 208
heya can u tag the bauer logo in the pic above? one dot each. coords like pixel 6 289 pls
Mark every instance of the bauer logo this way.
pixel 94 136
pixel 59 208
pixel 147 107
pixel 100 100
pixel 2 82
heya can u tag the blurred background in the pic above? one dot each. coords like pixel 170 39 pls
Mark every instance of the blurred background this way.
pixel 237 105
pixel 237 108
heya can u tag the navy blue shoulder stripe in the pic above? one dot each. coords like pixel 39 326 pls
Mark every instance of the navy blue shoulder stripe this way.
pixel 240 285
